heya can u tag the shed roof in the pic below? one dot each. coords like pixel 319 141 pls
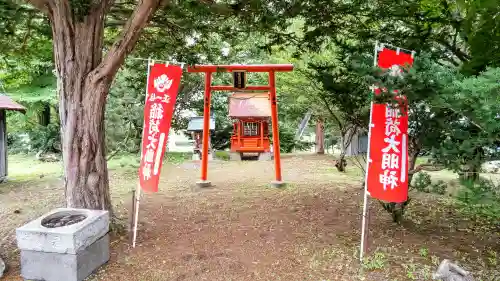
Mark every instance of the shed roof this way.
pixel 249 105
pixel 196 124
pixel 8 104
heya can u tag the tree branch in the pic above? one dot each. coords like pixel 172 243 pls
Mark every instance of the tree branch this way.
pixel 125 43
pixel 325 102
pixel 41 5
pixel 27 35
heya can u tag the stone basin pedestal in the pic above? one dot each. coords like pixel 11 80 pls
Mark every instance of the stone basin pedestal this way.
pixel 64 245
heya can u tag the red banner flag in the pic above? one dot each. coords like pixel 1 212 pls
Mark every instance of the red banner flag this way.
pixel 387 172
pixel 163 84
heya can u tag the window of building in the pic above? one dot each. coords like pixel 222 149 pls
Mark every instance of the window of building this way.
pixel 251 129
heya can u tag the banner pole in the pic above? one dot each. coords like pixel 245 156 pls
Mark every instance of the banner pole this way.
pixel 137 194
pixel 136 215
pixel 364 223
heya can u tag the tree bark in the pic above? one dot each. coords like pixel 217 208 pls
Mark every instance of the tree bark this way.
pixel 413 155
pixel 346 140
pixel 320 137
pixel 82 95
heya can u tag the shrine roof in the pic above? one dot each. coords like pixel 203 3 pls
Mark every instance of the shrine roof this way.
pixel 243 105
pixel 196 124
pixel 8 104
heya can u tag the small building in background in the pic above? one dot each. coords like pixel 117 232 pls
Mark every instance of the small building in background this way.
pixel 195 128
pixel 5 104
pixel 251 115
pixel 359 143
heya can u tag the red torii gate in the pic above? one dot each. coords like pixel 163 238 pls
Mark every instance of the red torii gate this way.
pixel 269 68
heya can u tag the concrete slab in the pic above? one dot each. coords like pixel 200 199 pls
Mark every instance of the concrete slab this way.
pixel 33 236
pixel 278 184
pixel 64 267
pixel 202 184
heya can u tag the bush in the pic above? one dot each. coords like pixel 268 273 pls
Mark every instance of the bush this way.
pixel 223 155
pixel 16 143
pixel 422 182
pixel 439 187
pixel 482 191
pixel 45 138
pixel 288 143
pixel 480 198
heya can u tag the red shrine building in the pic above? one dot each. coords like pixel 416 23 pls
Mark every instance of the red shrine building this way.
pixel 251 115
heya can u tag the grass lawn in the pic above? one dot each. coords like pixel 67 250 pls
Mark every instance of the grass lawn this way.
pixel 241 229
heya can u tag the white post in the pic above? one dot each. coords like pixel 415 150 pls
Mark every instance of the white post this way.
pixel 138 190
pixel 368 160
pixel 136 215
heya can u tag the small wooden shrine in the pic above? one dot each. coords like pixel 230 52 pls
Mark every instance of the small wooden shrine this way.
pixel 195 127
pixel 251 114
pixel 5 104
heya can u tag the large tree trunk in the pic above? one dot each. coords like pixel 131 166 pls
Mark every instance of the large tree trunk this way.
pixel 320 137
pixel 84 79
pixel 78 47
pixel 412 161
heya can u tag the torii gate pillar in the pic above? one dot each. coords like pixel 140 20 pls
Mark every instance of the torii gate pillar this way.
pixel 271 69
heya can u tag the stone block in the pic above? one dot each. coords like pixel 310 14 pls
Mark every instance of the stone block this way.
pixel 448 271
pixel 33 236
pixel 203 184
pixel 278 184
pixel 45 266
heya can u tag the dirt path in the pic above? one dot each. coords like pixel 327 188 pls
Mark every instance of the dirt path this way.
pixel 241 229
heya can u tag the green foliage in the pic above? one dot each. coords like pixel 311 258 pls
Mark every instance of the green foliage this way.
pixel 439 187
pixel 222 155
pixel 125 109
pixel 472 135
pixel 46 139
pixel 376 261
pixel 80 8
pixel 221 138
pixel 482 191
pixel 178 157
pixel 453 88
pixel 480 198
pixel 288 143
pixel 453 32
pixel 422 181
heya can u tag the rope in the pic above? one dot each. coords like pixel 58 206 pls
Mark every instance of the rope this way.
pixel 236 98
pixel 167 62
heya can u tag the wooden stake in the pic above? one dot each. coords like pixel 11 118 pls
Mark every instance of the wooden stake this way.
pixel 131 219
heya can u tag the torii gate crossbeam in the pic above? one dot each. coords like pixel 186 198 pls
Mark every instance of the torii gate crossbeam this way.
pixel 271 69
